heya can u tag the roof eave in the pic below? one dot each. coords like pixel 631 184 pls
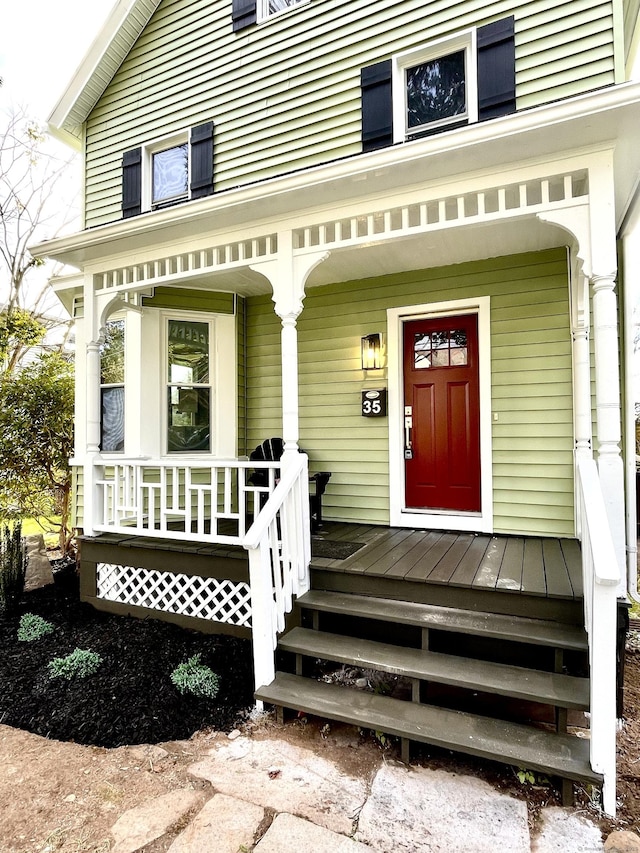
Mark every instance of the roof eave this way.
pixel 109 49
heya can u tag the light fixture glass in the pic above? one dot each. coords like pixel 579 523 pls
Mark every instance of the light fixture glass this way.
pixel 372 351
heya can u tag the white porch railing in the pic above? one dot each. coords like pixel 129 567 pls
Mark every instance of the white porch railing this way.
pixel 192 500
pixel 601 577
pixel 216 504
pixel 279 546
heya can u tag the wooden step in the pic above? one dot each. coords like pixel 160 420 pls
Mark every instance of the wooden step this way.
pixel 563 691
pixel 512 743
pixel 517 628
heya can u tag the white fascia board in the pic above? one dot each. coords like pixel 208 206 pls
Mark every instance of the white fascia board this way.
pixel 597 119
pixel 119 33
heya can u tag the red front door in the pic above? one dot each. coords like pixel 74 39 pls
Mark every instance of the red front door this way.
pixel 442 414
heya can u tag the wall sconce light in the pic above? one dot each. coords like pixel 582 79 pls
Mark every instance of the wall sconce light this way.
pixel 372 351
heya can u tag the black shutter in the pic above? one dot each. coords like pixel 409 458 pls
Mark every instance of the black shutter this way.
pixel 496 69
pixel 243 14
pixel 377 106
pixel 132 182
pixel 202 160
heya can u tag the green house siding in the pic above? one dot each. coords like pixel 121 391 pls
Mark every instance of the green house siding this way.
pixel 286 95
pixel 532 425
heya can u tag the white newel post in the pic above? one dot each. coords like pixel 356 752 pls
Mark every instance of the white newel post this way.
pixel 608 411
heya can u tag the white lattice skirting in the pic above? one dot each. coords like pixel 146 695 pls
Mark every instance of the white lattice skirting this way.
pixel 189 595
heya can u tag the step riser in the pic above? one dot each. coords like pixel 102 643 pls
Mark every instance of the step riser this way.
pixel 515 604
pixel 470 674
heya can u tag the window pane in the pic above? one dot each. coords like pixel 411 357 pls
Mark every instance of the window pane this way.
pixel 188 352
pixel 170 173
pixel 188 419
pixel 112 354
pixel 112 438
pixel 436 90
pixel 280 5
pixel 440 349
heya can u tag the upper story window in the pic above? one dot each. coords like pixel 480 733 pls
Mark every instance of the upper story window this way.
pixel 168 171
pixel 169 174
pixel 435 87
pixel 438 86
pixel 247 13
pixel 268 8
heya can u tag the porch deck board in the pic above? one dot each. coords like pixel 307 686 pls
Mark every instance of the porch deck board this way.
pixel 467 568
pixel 549 568
pixel 533 574
pixel 558 583
pixel 418 546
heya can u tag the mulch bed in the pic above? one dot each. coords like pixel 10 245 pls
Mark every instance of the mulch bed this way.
pixel 131 698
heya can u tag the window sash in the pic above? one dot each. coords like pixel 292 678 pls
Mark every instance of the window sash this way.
pixel 189 392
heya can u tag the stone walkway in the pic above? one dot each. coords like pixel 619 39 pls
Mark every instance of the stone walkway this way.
pixel 270 796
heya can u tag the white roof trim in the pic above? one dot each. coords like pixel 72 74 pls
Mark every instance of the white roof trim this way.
pixel 122 28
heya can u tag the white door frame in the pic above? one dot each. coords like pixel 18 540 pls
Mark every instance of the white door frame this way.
pixel 400 516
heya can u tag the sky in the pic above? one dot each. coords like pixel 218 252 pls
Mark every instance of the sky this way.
pixel 41 44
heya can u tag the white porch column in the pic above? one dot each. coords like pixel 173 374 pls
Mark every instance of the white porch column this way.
pixel 608 410
pixel 92 407
pixel 288 275
pixel 289 343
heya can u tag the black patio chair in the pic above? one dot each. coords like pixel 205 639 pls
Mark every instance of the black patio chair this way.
pixel 271 450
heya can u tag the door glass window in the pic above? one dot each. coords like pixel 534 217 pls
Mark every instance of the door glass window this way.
pixel 440 349
pixel 189 388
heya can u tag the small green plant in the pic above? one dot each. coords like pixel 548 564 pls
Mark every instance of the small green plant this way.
pixel 196 678
pixel 79 664
pixel 13 566
pixel 524 775
pixel 33 627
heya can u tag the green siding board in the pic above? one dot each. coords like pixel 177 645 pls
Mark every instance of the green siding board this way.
pixel 307 109
pixel 533 438
pixel 190 300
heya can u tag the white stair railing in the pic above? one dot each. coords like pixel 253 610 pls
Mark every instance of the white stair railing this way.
pixel 601 577
pixel 279 548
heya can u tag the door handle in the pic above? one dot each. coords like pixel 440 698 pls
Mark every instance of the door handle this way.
pixel 408 426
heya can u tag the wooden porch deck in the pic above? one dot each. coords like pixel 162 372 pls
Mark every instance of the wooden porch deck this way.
pixel 549 568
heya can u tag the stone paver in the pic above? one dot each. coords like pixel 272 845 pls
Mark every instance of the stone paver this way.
pixel 224 824
pixel 289 834
pixel 152 820
pixel 286 778
pixel 562 830
pixel 416 809
pixel 622 842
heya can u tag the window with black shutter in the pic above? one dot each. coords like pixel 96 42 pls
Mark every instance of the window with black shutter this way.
pixel 168 171
pixel 466 78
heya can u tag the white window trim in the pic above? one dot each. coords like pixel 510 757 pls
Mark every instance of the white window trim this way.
pixel 400 516
pixel 263 14
pixel 222 382
pixel 148 150
pixel 467 41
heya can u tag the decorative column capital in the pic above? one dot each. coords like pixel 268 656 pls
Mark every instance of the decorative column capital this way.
pixel 603 282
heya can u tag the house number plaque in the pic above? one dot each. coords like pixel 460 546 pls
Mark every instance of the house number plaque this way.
pixel 374 403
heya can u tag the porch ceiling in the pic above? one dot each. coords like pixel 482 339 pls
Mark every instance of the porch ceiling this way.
pixel 439 248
